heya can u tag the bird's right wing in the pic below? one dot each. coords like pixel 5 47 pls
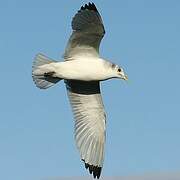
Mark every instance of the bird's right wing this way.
pixel 88 109
pixel 88 30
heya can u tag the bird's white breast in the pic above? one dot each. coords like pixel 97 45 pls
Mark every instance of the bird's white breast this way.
pixel 82 69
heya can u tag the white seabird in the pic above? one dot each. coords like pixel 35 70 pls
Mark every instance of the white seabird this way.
pixel 82 70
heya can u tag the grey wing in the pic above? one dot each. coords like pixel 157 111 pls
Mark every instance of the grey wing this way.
pixel 88 109
pixel 88 30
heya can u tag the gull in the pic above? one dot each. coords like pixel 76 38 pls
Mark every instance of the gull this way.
pixel 82 70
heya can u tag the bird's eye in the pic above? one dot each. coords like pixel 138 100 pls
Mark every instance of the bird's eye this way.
pixel 119 70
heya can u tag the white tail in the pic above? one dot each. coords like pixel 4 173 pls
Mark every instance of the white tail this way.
pixel 41 78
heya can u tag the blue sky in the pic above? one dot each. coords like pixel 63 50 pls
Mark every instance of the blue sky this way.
pixel 155 176
pixel 143 116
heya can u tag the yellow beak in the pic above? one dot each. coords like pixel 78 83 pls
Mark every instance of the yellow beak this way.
pixel 125 78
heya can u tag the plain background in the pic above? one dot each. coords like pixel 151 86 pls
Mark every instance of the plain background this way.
pixel 143 116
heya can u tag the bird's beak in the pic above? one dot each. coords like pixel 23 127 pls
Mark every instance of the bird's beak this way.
pixel 125 77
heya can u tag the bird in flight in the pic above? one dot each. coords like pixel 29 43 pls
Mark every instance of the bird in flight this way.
pixel 82 70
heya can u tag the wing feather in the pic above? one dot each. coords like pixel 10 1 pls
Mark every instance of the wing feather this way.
pixel 88 30
pixel 86 102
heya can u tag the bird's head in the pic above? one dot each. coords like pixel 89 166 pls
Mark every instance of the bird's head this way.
pixel 119 72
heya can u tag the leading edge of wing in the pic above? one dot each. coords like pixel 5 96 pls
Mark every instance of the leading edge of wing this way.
pixel 83 87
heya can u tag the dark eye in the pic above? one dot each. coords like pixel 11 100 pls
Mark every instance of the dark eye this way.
pixel 119 70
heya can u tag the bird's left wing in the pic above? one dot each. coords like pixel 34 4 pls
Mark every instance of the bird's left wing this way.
pixel 88 30
pixel 88 109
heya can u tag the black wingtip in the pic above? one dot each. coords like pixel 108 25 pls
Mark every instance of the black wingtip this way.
pixel 94 170
pixel 89 6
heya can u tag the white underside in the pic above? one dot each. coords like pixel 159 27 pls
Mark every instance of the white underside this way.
pixel 81 69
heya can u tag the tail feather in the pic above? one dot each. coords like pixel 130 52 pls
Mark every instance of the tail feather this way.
pixel 42 78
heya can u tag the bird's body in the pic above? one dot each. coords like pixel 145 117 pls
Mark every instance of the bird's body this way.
pixel 82 71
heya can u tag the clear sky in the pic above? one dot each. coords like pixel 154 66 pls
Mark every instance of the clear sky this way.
pixel 154 176
pixel 143 116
